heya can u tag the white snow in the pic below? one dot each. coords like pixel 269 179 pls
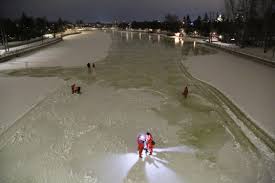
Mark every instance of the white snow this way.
pixel 248 84
pixel 254 51
pixel 25 46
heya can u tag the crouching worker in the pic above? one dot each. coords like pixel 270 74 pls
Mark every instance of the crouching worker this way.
pixel 75 89
pixel 140 142
pixel 149 143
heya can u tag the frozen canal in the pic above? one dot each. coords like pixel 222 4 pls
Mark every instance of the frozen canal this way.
pixel 136 88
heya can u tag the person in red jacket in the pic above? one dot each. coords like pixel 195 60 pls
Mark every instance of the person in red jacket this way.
pixel 140 142
pixel 149 143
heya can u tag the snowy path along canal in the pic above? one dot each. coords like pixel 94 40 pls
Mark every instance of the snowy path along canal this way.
pixel 137 87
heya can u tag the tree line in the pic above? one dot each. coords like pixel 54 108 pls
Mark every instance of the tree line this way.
pixel 246 22
pixel 27 27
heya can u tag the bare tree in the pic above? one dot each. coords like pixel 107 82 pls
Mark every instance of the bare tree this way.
pixel 230 8
pixel 267 24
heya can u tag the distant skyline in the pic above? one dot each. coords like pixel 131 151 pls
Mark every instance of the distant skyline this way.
pixel 108 10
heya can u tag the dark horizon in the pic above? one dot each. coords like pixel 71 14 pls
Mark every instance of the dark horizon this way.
pixel 109 11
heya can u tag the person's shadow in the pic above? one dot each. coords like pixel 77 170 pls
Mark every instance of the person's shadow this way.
pixel 150 161
pixel 138 173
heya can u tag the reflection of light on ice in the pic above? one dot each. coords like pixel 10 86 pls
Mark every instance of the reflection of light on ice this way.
pixel 127 36
pixel 184 149
pixel 160 160
pixel 156 171
pixel 177 40
pixel 149 37
pixel 132 36
pixel 119 166
pixel 158 38
pixel 144 155
pixel 139 35
pixel 182 42
pixel 127 161
pixel 194 44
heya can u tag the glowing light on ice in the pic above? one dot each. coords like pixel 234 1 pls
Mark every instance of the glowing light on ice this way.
pixel 177 34
pixel 139 35
pixel 127 161
pixel 177 40
pixel 118 165
pixel 158 172
pixel 160 160
pixel 181 42
pixel 184 149
pixel 127 36
pixel 158 38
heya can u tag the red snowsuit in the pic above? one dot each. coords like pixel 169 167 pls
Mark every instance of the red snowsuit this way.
pixel 140 146
pixel 149 143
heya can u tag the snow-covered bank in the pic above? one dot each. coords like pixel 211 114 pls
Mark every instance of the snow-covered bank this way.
pixel 253 54
pixel 75 50
pixel 257 52
pixel 19 94
pixel 250 85
pixel 24 49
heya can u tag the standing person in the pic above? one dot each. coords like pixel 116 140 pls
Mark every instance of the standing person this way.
pixel 149 143
pixel 140 142
pixel 94 73
pixel 89 67
pixel 185 92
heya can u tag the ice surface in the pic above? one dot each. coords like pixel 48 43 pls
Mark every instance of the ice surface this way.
pixel 76 50
pixel 137 88
pixel 18 95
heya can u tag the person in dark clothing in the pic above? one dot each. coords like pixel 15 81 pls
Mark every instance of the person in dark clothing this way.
pixel 185 92
pixel 89 67
pixel 78 89
pixel 93 70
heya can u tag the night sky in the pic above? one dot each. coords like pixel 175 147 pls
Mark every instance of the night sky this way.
pixel 108 10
